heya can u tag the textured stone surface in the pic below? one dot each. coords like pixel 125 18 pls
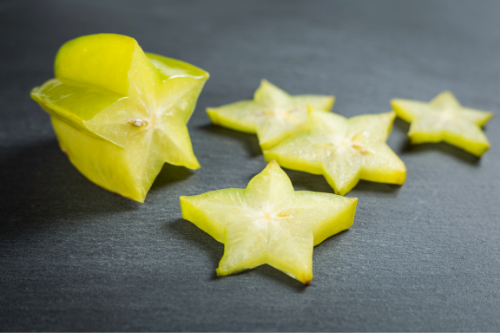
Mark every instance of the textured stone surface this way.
pixel 424 256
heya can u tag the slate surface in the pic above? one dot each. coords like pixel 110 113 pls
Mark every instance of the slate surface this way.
pixel 421 257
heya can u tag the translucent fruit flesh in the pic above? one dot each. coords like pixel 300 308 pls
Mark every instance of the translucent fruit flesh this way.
pixel 120 113
pixel 343 150
pixel 444 119
pixel 269 223
pixel 273 114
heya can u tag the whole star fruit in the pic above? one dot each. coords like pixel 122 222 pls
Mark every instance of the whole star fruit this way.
pixel 444 119
pixel 343 150
pixel 119 113
pixel 273 114
pixel 269 223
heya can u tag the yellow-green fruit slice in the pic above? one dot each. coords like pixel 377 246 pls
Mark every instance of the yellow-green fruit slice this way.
pixel 120 113
pixel 269 223
pixel 444 119
pixel 343 150
pixel 273 114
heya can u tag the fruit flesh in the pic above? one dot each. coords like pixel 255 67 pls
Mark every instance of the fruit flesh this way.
pixel 273 114
pixel 444 119
pixel 269 223
pixel 343 150
pixel 120 113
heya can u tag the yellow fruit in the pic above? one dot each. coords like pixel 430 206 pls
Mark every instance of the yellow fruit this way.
pixel 269 223
pixel 120 113
pixel 444 119
pixel 273 114
pixel 343 150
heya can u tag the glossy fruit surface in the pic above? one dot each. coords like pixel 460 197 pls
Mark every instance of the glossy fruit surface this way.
pixel 269 223
pixel 444 119
pixel 343 150
pixel 273 114
pixel 120 113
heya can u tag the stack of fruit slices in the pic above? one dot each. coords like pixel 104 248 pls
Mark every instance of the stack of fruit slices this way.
pixel 119 113
pixel 300 134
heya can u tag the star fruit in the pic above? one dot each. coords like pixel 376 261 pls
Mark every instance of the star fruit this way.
pixel 119 113
pixel 343 150
pixel 269 223
pixel 444 119
pixel 273 114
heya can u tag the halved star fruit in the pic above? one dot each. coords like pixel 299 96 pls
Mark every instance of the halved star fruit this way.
pixel 120 113
pixel 273 114
pixel 444 119
pixel 269 223
pixel 343 150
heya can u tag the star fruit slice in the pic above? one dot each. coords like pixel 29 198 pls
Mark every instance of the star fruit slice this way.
pixel 269 223
pixel 444 119
pixel 343 150
pixel 119 113
pixel 273 114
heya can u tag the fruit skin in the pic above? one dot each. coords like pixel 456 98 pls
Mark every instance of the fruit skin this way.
pixel 343 150
pixel 103 82
pixel 273 114
pixel 269 223
pixel 444 119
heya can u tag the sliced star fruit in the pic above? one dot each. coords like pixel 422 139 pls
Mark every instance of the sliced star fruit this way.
pixel 444 119
pixel 119 113
pixel 343 150
pixel 269 223
pixel 273 114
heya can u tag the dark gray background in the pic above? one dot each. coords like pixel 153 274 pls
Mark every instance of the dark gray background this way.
pixel 424 256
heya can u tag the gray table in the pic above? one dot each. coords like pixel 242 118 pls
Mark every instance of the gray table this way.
pixel 424 256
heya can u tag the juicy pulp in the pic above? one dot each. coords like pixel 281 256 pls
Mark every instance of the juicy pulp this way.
pixel 120 113
pixel 273 114
pixel 269 223
pixel 343 150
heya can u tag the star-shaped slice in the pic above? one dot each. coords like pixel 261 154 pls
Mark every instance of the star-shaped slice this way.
pixel 444 119
pixel 269 223
pixel 120 113
pixel 343 150
pixel 273 114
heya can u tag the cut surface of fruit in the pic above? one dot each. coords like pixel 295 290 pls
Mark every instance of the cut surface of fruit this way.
pixel 269 223
pixel 343 150
pixel 120 113
pixel 273 114
pixel 444 119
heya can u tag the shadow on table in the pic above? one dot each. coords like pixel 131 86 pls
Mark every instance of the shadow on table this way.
pixel 250 141
pixel 203 241
pixel 450 150
pixel 42 188
pixel 303 181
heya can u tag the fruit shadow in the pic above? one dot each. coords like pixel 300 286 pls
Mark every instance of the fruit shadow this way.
pixel 170 174
pixel 249 141
pixel 204 242
pixel 456 153
pixel 303 181
pixel 42 188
